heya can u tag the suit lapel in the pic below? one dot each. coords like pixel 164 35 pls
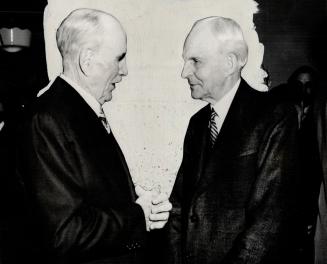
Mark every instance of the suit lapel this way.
pixel 230 131
pixel 202 137
pixel 229 138
pixel 126 169
pixel 85 115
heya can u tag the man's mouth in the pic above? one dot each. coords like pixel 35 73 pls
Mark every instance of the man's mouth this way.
pixel 191 83
pixel 111 86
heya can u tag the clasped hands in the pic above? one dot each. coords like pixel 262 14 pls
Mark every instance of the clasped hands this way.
pixel 156 207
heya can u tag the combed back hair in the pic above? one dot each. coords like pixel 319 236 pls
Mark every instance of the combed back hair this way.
pixel 79 27
pixel 230 35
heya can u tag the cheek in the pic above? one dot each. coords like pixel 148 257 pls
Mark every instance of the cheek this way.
pixel 199 74
pixel 111 72
pixel 202 74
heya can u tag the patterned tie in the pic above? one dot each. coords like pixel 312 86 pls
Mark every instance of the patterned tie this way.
pixel 104 121
pixel 213 127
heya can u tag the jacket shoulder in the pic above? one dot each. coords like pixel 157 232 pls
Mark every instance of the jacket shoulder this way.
pixel 59 101
pixel 201 114
pixel 266 105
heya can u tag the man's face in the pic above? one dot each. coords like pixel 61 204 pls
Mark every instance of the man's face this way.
pixel 109 66
pixel 304 78
pixel 204 65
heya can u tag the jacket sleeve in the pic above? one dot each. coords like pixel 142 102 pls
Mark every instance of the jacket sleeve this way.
pixel 177 198
pixel 272 205
pixel 173 228
pixel 71 224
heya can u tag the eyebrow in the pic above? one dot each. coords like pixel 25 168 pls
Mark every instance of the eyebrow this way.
pixel 198 58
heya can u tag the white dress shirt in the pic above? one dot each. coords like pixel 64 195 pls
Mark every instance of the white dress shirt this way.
pixel 223 105
pixel 88 98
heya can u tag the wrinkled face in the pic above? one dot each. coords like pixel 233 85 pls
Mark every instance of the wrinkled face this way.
pixel 204 65
pixel 109 66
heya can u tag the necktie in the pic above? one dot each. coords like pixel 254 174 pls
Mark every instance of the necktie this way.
pixel 104 121
pixel 213 127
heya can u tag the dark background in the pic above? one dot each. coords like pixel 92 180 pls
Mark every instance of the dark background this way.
pixel 22 73
pixel 293 33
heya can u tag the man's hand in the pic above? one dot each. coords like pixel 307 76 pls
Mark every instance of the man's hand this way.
pixel 145 201
pixel 156 207
pixel 159 211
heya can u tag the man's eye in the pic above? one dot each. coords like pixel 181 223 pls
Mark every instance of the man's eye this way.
pixel 195 60
pixel 120 58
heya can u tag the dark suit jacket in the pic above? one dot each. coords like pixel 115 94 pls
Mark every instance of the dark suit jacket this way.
pixel 13 230
pixel 321 227
pixel 234 204
pixel 81 193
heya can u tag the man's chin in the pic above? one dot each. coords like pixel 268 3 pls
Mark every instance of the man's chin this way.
pixel 195 95
pixel 108 98
pixel 105 98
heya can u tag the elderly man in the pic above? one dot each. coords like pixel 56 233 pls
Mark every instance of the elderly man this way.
pixel 232 199
pixel 80 190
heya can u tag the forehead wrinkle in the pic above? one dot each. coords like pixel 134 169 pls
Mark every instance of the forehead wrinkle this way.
pixel 200 46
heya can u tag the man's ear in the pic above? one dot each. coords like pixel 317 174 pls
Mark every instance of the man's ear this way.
pixel 231 63
pixel 85 59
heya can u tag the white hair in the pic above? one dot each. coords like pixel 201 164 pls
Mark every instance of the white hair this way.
pixel 81 26
pixel 230 35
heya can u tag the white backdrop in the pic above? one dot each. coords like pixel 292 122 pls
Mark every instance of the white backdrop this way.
pixel 151 107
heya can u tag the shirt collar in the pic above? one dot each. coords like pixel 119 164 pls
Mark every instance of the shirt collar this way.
pixel 89 99
pixel 223 105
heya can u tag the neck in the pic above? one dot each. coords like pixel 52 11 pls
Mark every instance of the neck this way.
pixel 225 87
pixel 77 78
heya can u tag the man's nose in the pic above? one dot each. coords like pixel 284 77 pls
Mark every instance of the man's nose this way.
pixel 123 68
pixel 186 70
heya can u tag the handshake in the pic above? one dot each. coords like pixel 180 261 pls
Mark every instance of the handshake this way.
pixel 156 207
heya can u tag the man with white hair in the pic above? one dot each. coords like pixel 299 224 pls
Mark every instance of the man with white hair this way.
pixel 82 196
pixel 234 192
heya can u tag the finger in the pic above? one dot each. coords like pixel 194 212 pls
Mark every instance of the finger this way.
pixel 157 225
pixel 160 198
pixel 159 217
pixel 139 190
pixel 164 207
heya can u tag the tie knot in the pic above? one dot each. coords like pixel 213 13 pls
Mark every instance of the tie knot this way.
pixel 213 114
pixel 104 121
pixel 102 116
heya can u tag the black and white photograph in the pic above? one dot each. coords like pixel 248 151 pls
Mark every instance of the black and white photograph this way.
pixel 163 131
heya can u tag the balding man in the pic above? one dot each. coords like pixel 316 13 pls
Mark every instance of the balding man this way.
pixel 84 204
pixel 232 199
